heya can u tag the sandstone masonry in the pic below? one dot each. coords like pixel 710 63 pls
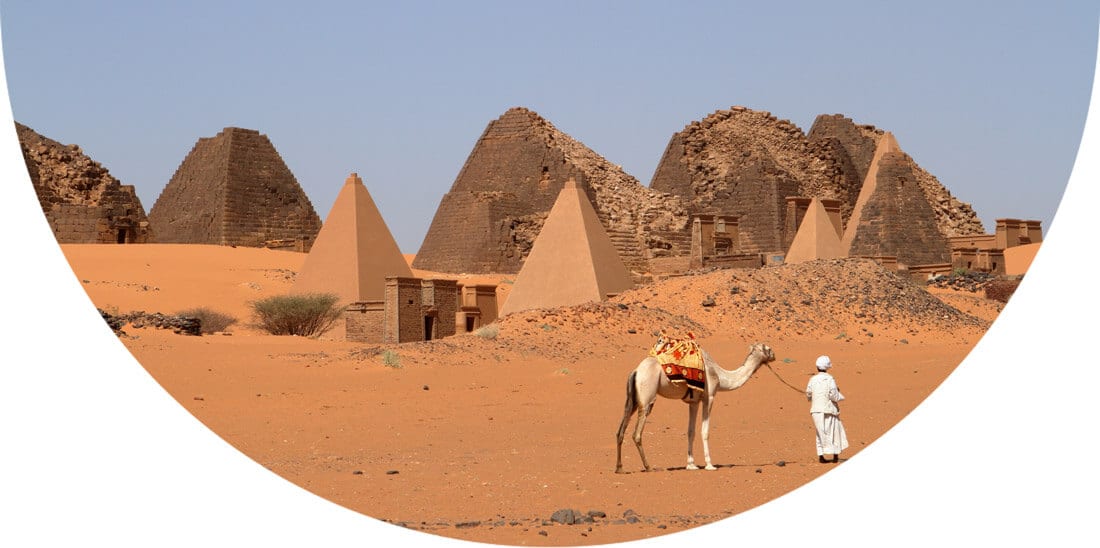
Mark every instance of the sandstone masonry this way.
pixel 234 189
pixel 82 202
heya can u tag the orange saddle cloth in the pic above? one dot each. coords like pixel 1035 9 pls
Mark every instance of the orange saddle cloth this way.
pixel 681 360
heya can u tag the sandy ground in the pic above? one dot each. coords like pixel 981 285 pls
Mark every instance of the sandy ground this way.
pixel 483 438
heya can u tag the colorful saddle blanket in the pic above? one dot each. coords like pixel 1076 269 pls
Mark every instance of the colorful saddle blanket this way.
pixel 681 360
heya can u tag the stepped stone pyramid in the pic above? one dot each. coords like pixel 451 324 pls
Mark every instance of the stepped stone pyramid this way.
pixel 572 261
pixel 234 189
pixel 892 216
pixel 817 237
pixel 493 212
pixel 82 202
pixel 354 251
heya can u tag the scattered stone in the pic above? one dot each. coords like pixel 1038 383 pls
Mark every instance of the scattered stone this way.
pixel 566 515
pixel 357 473
pixel 425 387
pixel 544 533
pixel 467 524
pixel 781 463
pixel 391 472
pixel 709 301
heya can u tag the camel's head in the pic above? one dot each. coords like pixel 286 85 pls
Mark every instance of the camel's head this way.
pixel 765 352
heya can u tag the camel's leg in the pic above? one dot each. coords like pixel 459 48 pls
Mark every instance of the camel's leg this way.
pixel 631 406
pixel 643 412
pixel 693 411
pixel 706 432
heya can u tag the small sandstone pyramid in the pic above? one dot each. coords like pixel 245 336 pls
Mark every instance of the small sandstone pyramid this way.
pixel 354 251
pixel 234 189
pixel 571 262
pixel 817 237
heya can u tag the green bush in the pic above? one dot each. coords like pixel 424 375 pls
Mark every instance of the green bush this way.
pixel 391 359
pixel 211 321
pixel 306 315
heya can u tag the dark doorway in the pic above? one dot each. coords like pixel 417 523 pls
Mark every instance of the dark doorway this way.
pixel 469 323
pixel 428 324
pixel 122 235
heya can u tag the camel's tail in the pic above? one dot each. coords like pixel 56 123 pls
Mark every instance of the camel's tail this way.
pixel 631 403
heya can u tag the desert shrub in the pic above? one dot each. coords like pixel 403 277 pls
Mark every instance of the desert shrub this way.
pixel 1001 290
pixel 488 332
pixel 391 359
pixel 210 321
pixel 306 315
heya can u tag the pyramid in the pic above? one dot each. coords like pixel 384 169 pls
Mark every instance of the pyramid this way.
pixel 817 237
pixel 488 220
pixel 354 251
pixel 233 189
pixel 572 260
pixel 892 216
pixel 82 201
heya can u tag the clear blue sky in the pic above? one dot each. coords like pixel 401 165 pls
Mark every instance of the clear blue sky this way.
pixel 990 97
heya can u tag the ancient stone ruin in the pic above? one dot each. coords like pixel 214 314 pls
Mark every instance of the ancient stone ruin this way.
pixel 489 219
pixel 729 191
pixel 234 189
pixel 82 202
pixel 749 164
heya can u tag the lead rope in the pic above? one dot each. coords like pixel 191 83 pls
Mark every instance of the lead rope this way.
pixel 783 381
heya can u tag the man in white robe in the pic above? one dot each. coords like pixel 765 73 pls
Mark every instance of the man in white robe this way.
pixel 824 395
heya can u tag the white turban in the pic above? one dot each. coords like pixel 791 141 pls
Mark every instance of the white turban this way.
pixel 824 363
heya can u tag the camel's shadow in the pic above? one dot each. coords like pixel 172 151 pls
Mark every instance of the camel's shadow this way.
pixel 758 467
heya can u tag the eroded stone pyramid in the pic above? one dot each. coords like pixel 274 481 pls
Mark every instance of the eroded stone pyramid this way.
pixel 354 251
pixel 82 202
pixel 495 209
pixel 572 261
pixel 234 189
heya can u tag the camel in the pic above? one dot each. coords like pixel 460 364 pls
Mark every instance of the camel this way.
pixel 648 381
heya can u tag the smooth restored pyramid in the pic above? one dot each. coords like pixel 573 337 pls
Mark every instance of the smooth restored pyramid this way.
pixel 354 251
pixel 233 189
pixel 572 261
pixel 892 216
pixel 817 237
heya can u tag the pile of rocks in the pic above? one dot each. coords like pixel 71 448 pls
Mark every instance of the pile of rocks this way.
pixel 963 281
pixel 181 325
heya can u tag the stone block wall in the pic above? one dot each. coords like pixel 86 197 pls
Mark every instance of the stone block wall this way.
pixel 404 318
pixel 363 321
pixel 439 299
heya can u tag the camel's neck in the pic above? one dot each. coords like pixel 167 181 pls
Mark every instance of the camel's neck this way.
pixel 732 380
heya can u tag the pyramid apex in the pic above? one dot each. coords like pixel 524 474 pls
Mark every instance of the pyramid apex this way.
pixel 353 178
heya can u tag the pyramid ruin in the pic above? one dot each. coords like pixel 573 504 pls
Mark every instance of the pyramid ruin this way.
pixel 818 237
pixel 82 202
pixel 572 261
pixel 892 216
pixel 750 165
pixel 493 212
pixel 354 252
pixel 234 189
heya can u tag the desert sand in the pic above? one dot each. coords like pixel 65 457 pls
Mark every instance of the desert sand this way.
pixel 485 438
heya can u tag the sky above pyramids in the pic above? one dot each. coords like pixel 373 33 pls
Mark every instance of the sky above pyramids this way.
pixel 990 98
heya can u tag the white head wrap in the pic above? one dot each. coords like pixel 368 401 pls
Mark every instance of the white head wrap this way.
pixel 824 363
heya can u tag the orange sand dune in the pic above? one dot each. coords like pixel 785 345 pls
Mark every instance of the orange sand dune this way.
pixel 484 438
